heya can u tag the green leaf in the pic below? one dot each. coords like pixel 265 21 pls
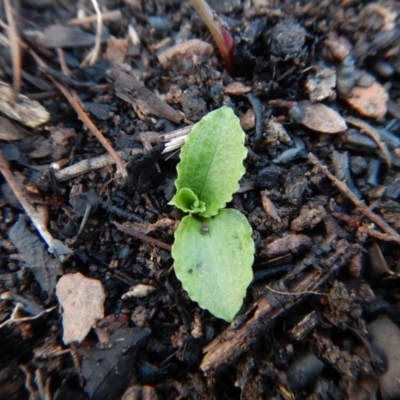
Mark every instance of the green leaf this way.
pixel 213 259
pixel 212 160
pixel 187 201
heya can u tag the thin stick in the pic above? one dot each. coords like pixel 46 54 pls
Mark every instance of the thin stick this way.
pixel 295 293
pixel 29 209
pixel 25 319
pixel 106 16
pixel 63 64
pixel 74 101
pixel 13 35
pixel 91 164
pixel 373 134
pixel 392 235
pixel 142 236
pixel 54 93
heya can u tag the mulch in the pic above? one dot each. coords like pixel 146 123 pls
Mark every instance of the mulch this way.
pixel 89 143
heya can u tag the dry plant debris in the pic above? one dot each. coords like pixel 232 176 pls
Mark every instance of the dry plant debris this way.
pixel 318 117
pixel 321 313
pixel 369 101
pixel 82 302
pixel 22 109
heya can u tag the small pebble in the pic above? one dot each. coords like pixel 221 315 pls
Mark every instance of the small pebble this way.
pixel 248 120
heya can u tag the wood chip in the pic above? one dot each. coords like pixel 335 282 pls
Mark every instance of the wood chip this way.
pixel 369 101
pixel 26 111
pixel 292 244
pixel 11 132
pixel 184 51
pixel 116 50
pixel 320 85
pixel 319 117
pixel 237 89
pixel 82 300
pixel 143 100
pixel 139 291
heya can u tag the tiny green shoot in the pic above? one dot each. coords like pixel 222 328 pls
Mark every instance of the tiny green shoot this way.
pixel 213 250
pixel 219 31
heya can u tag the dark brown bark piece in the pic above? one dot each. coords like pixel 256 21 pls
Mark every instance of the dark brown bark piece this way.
pixel 108 371
pixel 233 342
pixel 143 100
pixel 288 244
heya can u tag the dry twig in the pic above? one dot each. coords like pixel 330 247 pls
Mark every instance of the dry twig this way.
pixel 73 99
pixel 106 16
pixel 176 139
pixel 55 246
pixel 92 164
pixel 54 93
pixel 13 35
pixel 142 236
pixel 391 234
pixel 13 318
pixel 63 64
pixel 373 134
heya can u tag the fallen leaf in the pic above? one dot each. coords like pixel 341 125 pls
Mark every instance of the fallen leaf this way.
pixel 369 101
pixel 82 301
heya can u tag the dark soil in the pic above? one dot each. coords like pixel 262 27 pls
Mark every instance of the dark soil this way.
pixel 320 319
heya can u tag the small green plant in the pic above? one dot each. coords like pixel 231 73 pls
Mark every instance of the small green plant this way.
pixel 213 250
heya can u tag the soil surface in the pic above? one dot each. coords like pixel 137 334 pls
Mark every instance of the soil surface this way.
pixel 87 172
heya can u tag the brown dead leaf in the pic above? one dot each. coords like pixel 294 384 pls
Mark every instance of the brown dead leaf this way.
pixel 369 101
pixel 82 300
pixel 319 117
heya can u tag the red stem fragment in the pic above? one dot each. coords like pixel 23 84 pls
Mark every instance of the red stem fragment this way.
pixel 219 31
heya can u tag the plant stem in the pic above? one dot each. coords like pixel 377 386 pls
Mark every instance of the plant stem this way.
pixel 219 31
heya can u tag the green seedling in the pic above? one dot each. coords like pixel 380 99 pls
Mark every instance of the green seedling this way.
pixel 219 31
pixel 213 250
